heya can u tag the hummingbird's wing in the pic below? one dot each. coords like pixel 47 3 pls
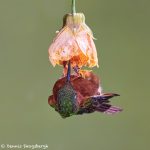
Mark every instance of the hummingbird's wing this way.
pixel 99 103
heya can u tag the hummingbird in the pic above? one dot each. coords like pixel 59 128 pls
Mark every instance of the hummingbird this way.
pixel 77 95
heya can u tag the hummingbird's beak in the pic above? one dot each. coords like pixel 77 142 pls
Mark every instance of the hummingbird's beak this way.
pixel 68 71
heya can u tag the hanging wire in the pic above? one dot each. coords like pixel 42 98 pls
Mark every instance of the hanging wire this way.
pixel 73 6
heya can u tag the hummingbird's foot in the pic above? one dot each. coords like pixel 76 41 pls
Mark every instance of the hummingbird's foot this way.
pixel 79 72
pixel 76 70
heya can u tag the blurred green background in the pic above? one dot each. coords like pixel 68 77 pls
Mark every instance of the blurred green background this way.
pixel 122 29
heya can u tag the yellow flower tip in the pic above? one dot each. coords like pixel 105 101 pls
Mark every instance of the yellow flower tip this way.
pixel 74 42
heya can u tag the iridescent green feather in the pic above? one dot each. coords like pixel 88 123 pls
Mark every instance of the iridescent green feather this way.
pixel 67 104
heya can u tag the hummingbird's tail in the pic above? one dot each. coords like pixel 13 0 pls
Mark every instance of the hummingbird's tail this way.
pixel 108 109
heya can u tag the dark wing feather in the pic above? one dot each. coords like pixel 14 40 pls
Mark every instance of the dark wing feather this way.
pixel 100 103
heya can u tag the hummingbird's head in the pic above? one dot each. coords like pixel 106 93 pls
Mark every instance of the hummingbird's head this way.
pixel 67 97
